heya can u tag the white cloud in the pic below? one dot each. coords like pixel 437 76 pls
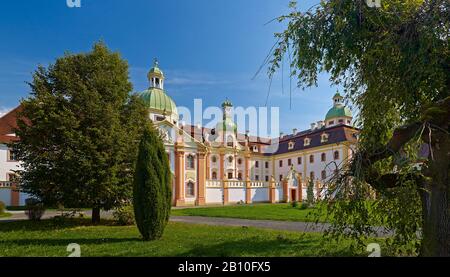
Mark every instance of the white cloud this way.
pixel 4 110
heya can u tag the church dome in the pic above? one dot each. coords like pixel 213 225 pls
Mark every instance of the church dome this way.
pixel 158 101
pixel 338 111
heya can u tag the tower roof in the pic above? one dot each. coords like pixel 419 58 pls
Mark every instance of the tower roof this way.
pixel 157 100
pixel 155 71
pixel 227 103
pixel 338 111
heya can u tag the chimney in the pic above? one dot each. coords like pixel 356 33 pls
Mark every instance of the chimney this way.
pixel 313 126
pixel 281 134
pixel 294 131
pixel 320 124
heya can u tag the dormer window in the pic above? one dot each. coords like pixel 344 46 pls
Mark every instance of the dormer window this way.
pixel 324 138
pixel 255 148
pixel 307 142
pixel 291 145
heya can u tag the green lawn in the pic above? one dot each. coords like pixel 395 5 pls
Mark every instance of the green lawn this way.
pixel 5 215
pixel 50 238
pixel 257 211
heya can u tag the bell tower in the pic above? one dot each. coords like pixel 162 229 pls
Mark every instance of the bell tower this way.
pixel 156 76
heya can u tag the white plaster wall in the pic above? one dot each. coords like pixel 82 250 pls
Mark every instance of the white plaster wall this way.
pixel 278 194
pixel 5 196
pixel 5 166
pixel 259 194
pixel 236 194
pixel 214 195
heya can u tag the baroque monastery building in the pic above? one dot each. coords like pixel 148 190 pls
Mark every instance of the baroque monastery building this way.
pixel 220 165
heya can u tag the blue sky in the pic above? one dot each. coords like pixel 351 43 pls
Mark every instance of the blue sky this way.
pixel 208 49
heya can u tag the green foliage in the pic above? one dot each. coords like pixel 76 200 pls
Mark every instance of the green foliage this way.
pixel 310 193
pixel 124 215
pixel 2 207
pixel 79 131
pixel 152 193
pixel 34 209
pixel 393 64
pixel 294 204
pixel 304 206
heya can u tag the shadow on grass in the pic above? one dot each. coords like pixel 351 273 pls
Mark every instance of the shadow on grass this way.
pixel 279 247
pixel 64 242
pixel 49 224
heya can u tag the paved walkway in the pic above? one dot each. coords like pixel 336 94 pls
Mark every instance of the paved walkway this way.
pixel 294 226
pixel 218 221
pixel 267 224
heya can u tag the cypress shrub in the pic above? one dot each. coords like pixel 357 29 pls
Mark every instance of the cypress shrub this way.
pixel 152 186
pixel 310 193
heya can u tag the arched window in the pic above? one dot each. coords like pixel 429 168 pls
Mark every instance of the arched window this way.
pixel 240 176
pixel 336 155
pixel 190 189
pixel 324 174
pixel 306 142
pixel 239 161
pixel 214 159
pixel 312 176
pixel 311 159
pixel 190 162
pixel 214 175
pixel 323 157
pixel 230 141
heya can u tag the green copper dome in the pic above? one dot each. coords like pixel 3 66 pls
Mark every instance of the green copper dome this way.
pixel 157 100
pixel 226 125
pixel 338 111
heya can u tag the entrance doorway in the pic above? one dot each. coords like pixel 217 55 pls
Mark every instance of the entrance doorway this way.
pixel 293 195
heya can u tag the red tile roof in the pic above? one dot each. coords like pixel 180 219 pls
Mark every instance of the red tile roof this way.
pixel 8 123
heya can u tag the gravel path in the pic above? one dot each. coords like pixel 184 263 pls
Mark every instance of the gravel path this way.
pixel 295 226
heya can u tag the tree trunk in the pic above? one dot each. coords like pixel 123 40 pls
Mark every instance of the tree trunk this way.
pixel 435 202
pixel 95 215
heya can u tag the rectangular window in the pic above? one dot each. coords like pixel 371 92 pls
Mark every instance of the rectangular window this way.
pixel 267 178
pixel 289 162
pixel 299 160
pixel 281 178
pixel 230 175
pixel 256 177
pixel 267 164
pixel 11 156
pixel 256 164
pixel 281 163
